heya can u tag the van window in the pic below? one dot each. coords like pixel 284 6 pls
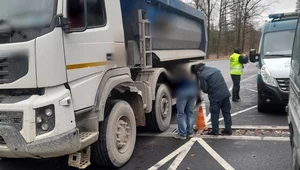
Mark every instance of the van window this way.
pixel 283 43
pixel 96 16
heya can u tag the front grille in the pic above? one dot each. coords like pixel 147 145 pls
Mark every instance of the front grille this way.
pixel 4 39
pixel 13 66
pixel 284 84
pixel 14 119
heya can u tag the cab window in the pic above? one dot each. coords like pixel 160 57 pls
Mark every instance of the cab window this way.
pixel 96 16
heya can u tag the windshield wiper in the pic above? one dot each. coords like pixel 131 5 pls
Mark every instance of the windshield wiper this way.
pixel 278 55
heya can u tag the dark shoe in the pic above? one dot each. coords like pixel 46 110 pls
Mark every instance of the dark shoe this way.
pixel 235 100
pixel 213 133
pixel 190 135
pixel 226 132
pixel 177 136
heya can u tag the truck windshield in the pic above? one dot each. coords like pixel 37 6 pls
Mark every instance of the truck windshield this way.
pixel 278 44
pixel 27 13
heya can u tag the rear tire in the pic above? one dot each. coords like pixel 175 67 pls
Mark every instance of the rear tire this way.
pixel 160 117
pixel 117 135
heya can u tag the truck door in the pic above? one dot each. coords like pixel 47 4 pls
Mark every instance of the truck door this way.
pixel 87 49
pixel 294 102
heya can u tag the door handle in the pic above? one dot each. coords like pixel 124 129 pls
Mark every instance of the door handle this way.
pixel 109 56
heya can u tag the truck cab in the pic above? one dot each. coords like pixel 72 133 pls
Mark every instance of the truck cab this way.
pixel 78 76
pixel 274 57
pixel 293 107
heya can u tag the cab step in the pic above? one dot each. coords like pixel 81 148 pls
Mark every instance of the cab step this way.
pixel 87 138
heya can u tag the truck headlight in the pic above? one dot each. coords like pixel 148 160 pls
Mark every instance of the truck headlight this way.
pixel 266 76
pixel 45 119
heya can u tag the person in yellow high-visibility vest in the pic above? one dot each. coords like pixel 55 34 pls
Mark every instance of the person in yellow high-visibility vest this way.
pixel 237 61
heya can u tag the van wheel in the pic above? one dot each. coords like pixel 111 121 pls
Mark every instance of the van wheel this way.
pixel 261 107
pixel 117 135
pixel 295 158
pixel 160 117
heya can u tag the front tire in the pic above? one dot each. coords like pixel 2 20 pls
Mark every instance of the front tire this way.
pixel 295 158
pixel 160 118
pixel 261 106
pixel 117 135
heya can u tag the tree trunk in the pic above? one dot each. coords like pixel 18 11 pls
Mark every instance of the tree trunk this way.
pixel 208 28
pixel 220 28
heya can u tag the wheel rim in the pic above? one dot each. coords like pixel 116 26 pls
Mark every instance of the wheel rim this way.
pixel 164 107
pixel 123 134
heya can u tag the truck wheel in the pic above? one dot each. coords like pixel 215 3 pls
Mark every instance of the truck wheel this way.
pixel 117 135
pixel 295 158
pixel 261 107
pixel 160 117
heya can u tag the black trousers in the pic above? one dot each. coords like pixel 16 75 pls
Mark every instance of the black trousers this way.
pixel 236 79
pixel 215 107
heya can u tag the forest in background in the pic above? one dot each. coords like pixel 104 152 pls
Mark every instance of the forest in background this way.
pixel 232 23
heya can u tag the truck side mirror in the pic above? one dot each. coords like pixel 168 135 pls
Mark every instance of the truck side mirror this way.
pixel 66 25
pixel 253 56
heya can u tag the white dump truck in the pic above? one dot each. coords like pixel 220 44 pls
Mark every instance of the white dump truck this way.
pixel 78 76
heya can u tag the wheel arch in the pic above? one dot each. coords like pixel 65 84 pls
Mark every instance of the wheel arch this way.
pixel 114 85
pixel 154 76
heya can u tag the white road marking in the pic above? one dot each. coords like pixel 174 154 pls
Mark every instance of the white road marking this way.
pixel 246 79
pixel 264 138
pixel 254 127
pixel 172 155
pixel 215 155
pixel 239 112
pixel 246 138
pixel 181 156
pixel 250 90
pixel 208 118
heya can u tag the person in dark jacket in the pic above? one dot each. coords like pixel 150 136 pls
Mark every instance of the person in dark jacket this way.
pixel 213 83
pixel 237 61
pixel 186 95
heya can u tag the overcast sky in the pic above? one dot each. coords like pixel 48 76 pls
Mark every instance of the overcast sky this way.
pixel 281 6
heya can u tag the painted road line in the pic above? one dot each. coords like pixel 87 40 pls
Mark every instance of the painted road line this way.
pixel 181 156
pixel 215 155
pixel 236 113
pixel 246 79
pixel 246 138
pixel 206 119
pixel 173 154
pixel 250 90
pixel 264 138
pixel 254 127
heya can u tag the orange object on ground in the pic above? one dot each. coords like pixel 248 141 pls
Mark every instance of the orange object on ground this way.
pixel 200 121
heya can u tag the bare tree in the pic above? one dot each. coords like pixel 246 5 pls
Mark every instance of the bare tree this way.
pixel 298 5
pixel 207 7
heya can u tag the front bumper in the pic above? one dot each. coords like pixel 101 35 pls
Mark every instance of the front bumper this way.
pixel 16 146
pixel 272 95
pixel 19 137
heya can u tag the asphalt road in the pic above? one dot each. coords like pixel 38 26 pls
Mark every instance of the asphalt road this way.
pixel 262 151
